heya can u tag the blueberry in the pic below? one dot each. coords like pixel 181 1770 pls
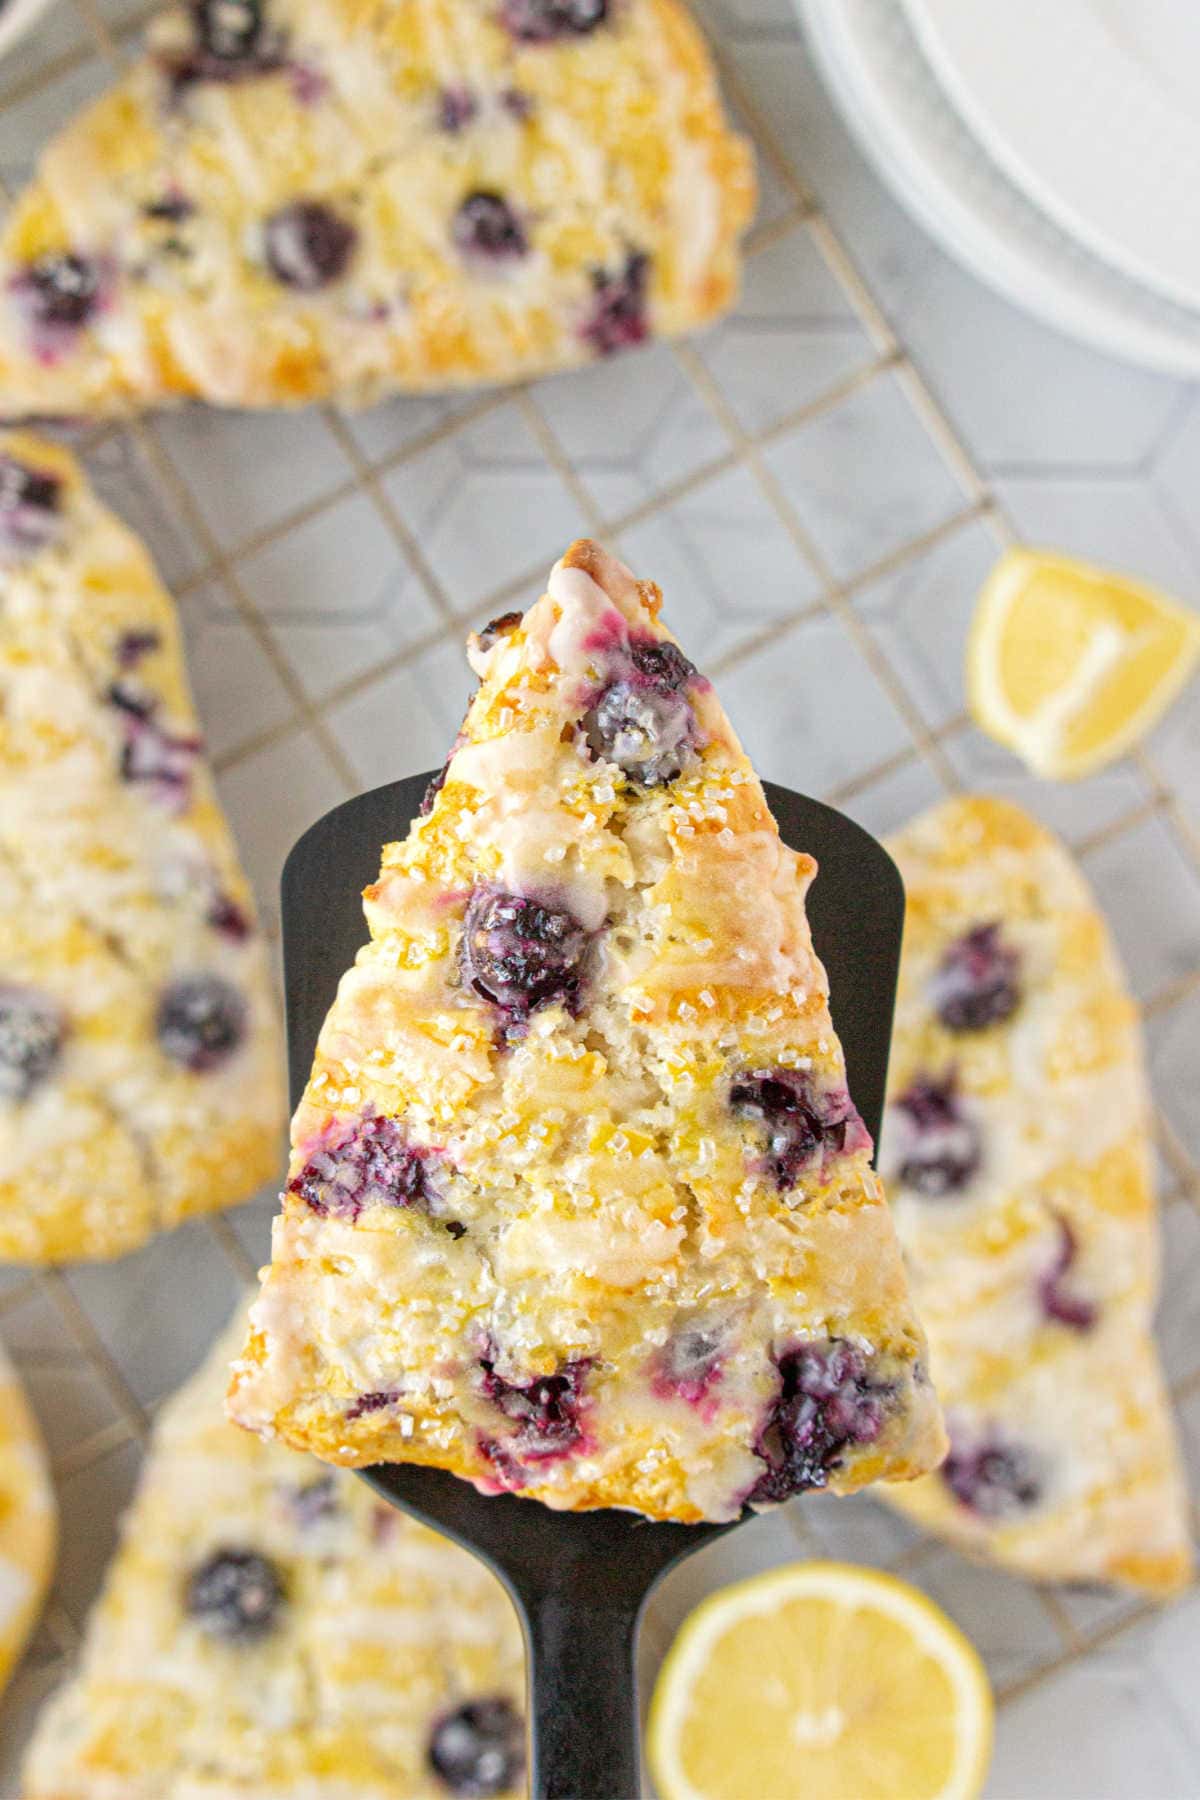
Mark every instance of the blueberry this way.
pixel 826 1402
pixel 201 1020
pixel 32 1030
pixel 495 629
pixel 29 509
pixel 228 30
pixel 60 290
pixel 372 1164
pixel 479 1749
pixel 542 21
pixel 314 1500
pixel 486 226
pixel 152 756
pixel 520 954
pixel 236 1595
pixel 1066 1308
pixel 976 982
pixel 371 1403
pixel 798 1123
pixel 617 316
pixel 172 209
pixel 229 919
pixel 940 1148
pixel 133 646
pixel 545 1411
pixel 643 720
pixel 457 106
pixel 308 245
pixel 991 1477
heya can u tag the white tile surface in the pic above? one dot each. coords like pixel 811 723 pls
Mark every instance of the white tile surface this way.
pixel 407 721
pixel 272 797
pixel 1150 890
pixel 237 687
pixel 865 477
pixel 247 471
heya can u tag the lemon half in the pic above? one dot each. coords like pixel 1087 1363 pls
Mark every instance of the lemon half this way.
pixel 820 1679
pixel 1068 665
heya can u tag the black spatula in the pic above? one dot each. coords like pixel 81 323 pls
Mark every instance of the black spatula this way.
pixel 580 1580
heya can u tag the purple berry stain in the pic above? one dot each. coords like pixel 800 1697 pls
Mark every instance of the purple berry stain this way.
pixel 826 1404
pixel 976 981
pixel 478 1750
pixel 990 1476
pixel 643 720
pixel 229 919
pixel 616 319
pixel 32 1032
pixel 200 1022
pixel 372 1403
pixel 1057 1302
pixel 457 106
pixel 940 1148
pixel 308 245
pixel 800 1125
pixel 520 953
pixel 134 646
pixel 367 1163
pixel 30 518
pixel 689 1366
pixel 160 761
pixel 487 229
pixel 545 1411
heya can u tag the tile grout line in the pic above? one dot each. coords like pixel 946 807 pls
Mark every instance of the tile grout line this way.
pixel 558 460
pixel 79 1323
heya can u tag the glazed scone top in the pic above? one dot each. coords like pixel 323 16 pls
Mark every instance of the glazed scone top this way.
pixel 28 1521
pixel 139 1053
pixel 579 1204
pixel 1017 1151
pixel 293 198
pixel 269 1630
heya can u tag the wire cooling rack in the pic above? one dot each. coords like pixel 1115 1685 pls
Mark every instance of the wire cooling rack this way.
pixel 820 533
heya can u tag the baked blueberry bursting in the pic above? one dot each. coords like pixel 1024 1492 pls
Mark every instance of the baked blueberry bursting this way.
pixel 826 1404
pixel 372 1165
pixel 29 510
pixel 799 1124
pixel 59 290
pixel 200 1022
pixel 991 1478
pixel 616 319
pixel 308 246
pixel 486 227
pixel 371 1403
pixel 229 919
pixel 32 1030
pixel 236 1595
pixel 976 982
pixel 941 1149
pixel 150 755
pixel 545 1411
pixel 689 1364
pixel 479 1749
pixel 542 21
pixel 1065 1308
pixel 520 955
pixel 643 720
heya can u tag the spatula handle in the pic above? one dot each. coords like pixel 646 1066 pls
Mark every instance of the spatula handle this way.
pixel 583 1709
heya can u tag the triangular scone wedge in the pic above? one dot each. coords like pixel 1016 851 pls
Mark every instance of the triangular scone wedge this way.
pixel 289 200
pixel 268 1627
pixel 579 1203
pixel 28 1521
pixel 140 1067
pixel 1017 1153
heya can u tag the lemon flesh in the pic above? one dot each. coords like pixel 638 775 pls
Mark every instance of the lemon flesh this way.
pixel 1068 665
pixel 820 1679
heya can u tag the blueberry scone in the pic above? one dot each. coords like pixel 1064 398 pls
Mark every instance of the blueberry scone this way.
pixel 285 200
pixel 269 1628
pixel 579 1205
pixel 140 1076
pixel 1017 1152
pixel 28 1521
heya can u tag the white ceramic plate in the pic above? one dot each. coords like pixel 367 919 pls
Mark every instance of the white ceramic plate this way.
pixel 893 103
pixel 1093 108
pixel 16 17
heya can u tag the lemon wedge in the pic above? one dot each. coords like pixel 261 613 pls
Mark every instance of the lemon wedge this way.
pixel 1068 665
pixel 820 1678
